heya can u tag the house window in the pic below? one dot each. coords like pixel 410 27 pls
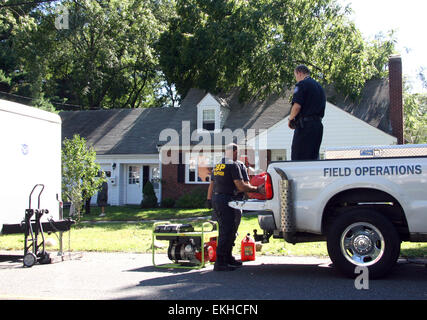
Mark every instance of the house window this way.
pixel 107 173
pixel 209 119
pixel 199 166
pixel 133 175
pixel 278 155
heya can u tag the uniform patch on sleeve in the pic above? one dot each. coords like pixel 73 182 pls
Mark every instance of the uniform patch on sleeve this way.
pixel 296 89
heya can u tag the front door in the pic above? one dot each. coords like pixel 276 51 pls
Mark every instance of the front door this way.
pixel 133 184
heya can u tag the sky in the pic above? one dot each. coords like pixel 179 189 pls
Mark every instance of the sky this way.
pixel 409 21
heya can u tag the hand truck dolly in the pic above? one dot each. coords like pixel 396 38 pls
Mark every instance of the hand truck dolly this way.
pixel 34 251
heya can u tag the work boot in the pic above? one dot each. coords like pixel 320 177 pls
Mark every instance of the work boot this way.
pixel 233 262
pixel 222 265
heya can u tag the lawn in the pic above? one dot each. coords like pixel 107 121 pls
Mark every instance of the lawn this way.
pixel 129 229
pixel 135 213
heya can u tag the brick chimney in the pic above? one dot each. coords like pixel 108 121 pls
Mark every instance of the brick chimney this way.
pixel 396 99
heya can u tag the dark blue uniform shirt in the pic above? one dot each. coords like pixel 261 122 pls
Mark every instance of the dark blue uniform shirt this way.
pixel 224 174
pixel 310 95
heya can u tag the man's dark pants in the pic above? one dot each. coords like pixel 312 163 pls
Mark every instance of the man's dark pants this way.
pixel 307 140
pixel 226 224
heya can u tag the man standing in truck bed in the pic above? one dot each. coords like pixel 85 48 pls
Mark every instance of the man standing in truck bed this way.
pixel 308 109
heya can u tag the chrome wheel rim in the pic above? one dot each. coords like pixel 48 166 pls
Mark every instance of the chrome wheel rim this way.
pixel 362 244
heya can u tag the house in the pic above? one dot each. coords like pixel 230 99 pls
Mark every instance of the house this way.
pixel 176 147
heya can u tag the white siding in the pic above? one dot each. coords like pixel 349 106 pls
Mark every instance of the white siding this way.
pixel 208 100
pixel 117 190
pixel 343 129
pixel 207 103
pixel 221 112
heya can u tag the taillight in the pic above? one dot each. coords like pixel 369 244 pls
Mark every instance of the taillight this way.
pixel 268 188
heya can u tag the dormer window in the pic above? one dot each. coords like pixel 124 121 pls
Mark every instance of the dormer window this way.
pixel 211 114
pixel 209 119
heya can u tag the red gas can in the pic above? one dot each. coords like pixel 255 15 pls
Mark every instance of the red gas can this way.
pixel 259 179
pixel 248 248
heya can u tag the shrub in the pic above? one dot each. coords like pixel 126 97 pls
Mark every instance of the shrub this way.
pixel 149 196
pixel 168 203
pixel 194 199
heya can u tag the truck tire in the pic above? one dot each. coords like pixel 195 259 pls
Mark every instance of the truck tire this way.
pixel 363 238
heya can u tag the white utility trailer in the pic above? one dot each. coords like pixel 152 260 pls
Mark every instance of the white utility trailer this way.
pixel 30 183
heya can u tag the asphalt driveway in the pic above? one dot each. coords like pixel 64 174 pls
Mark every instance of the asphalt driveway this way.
pixel 129 276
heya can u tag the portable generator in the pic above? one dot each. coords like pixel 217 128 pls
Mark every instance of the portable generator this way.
pixel 188 248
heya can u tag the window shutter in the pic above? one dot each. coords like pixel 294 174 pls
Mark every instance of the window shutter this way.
pixel 181 170
pixel 145 174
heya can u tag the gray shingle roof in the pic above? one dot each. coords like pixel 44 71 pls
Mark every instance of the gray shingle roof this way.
pixel 257 114
pixel 118 131
pixel 372 107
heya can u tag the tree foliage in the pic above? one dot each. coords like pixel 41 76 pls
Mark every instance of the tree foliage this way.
pixel 415 117
pixel 80 172
pixel 12 20
pixel 133 53
pixel 255 45
pixel 104 59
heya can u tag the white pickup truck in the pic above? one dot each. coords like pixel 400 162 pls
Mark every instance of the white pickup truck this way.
pixel 363 207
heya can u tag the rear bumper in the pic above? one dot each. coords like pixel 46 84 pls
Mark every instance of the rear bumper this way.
pixel 250 205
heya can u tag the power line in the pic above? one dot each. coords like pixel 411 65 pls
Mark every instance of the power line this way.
pixel 25 3
pixel 59 104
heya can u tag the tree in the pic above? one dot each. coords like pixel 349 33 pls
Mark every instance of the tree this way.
pixel 13 20
pixel 104 59
pixel 415 116
pixel 132 53
pixel 80 173
pixel 255 45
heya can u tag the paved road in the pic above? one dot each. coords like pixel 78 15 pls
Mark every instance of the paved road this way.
pixel 132 276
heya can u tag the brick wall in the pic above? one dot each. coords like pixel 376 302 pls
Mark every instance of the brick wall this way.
pixel 173 189
pixel 396 100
